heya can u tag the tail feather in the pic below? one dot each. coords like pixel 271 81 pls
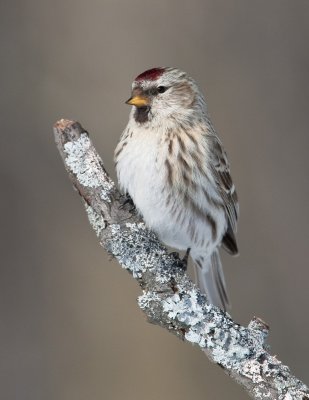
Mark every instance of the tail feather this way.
pixel 210 279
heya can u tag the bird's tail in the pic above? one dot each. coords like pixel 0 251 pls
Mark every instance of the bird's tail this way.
pixel 210 279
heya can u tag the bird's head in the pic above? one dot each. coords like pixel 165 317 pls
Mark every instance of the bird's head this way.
pixel 163 94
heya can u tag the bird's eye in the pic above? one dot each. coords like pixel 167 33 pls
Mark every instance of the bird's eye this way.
pixel 161 89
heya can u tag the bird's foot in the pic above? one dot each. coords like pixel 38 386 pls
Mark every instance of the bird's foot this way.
pixel 185 259
pixel 127 202
pixel 182 263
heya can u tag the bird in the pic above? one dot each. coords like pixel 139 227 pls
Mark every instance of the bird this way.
pixel 171 163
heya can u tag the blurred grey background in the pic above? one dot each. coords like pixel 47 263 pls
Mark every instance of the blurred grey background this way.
pixel 70 328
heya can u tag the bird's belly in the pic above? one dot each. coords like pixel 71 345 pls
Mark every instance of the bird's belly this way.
pixel 183 230
pixel 177 226
pixel 141 173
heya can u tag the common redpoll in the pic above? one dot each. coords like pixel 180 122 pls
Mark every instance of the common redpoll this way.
pixel 172 164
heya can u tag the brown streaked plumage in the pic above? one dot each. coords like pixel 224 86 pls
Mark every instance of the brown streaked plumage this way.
pixel 169 171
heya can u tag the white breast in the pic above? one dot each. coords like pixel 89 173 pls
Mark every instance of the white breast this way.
pixel 141 173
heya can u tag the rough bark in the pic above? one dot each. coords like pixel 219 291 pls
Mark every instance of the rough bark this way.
pixel 169 298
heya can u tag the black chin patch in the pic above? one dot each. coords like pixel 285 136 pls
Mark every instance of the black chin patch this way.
pixel 141 114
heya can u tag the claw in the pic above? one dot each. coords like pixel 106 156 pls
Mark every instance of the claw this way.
pixel 174 254
pixel 128 200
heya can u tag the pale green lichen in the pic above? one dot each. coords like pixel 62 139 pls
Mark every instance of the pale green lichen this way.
pixel 127 260
pixel 185 308
pixel 95 219
pixel 86 165
pixel 188 309
pixel 142 248
pixel 146 299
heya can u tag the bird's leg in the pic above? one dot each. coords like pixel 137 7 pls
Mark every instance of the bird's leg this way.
pixel 185 259
pixel 127 200
pixel 183 265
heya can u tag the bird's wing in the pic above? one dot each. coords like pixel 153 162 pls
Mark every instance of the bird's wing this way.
pixel 226 189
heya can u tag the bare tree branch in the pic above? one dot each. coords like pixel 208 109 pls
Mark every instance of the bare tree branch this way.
pixel 169 298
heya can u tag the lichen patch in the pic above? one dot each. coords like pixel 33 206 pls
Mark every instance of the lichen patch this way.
pixel 86 165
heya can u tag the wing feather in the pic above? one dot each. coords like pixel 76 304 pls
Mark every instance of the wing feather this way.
pixel 221 172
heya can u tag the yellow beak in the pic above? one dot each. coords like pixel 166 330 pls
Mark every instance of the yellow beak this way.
pixel 138 101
